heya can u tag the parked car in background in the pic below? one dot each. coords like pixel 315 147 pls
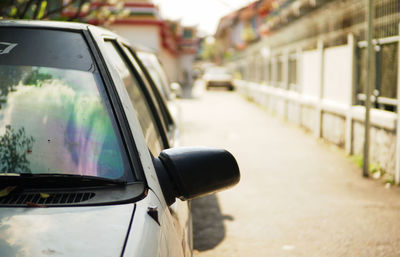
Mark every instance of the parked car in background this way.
pixel 168 91
pixel 218 77
pixel 157 73
pixel 86 165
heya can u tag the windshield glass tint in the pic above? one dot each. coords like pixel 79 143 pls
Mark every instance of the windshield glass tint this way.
pixel 54 120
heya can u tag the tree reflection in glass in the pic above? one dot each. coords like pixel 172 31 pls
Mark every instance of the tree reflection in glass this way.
pixel 55 121
pixel 14 147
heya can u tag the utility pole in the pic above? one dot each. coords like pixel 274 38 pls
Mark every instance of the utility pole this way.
pixel 370 30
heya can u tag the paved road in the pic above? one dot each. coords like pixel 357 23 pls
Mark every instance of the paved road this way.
pixel 298 196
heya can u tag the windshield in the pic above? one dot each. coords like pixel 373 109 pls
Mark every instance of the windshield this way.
pixel 54 118
pixel 54 121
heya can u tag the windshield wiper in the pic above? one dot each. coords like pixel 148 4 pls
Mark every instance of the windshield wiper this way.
pixel 62 180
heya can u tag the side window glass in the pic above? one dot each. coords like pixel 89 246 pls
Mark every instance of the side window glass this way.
pixel 163 113
pixel 143 111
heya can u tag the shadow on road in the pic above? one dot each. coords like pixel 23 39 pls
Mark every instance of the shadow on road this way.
pixel 208 225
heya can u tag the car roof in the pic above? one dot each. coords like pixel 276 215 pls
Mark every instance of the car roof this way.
pixel 70 26
pixel 44 24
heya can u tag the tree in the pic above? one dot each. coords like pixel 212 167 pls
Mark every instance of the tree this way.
pixel 71 10
pixel 208 49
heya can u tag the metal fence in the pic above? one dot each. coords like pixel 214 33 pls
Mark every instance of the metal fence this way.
pixel 385 60
pixel 331 23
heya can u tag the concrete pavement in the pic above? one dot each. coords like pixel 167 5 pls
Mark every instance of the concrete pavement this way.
pixel 298 196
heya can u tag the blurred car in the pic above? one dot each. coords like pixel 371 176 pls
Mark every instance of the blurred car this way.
pixel 218 77
pixel 157 73
pixel 86 165
pixel 168 91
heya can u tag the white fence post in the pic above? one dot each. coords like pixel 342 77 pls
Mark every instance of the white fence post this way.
pixel 397 170
pixel 286 82
pixel 286 70
pixel 299 56
pixel 349 120
pixel 274 71
pixel 299 83
pixel 320 71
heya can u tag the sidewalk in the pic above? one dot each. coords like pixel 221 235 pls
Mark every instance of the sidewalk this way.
pixel 298 196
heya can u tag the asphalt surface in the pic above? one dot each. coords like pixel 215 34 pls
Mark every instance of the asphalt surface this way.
pixel 298 196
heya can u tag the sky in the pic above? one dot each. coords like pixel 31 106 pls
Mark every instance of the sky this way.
pixel 203 13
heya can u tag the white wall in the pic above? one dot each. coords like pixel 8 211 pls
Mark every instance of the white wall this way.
pixel 337 74
pixel 310 73
pixel 170 63
pixel 145 35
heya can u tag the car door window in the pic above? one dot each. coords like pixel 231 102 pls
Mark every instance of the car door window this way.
pixel 155 92
pixel 138 99
pixel 163 112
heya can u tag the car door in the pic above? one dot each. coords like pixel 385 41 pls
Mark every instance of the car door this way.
pixel 180 210
pixel 153 132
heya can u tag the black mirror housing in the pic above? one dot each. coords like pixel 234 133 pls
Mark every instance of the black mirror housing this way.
pixel 190 172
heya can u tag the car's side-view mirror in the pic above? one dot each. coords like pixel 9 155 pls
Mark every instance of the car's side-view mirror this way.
pixel 190 172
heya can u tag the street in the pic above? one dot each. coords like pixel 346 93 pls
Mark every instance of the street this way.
pixel 298 196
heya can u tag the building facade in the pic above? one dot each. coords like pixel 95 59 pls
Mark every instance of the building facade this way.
pixel 140 22
pixel 173 43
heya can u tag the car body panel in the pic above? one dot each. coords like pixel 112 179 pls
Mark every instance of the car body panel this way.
pixel 182 217
pixel 150 238
pixel 66 231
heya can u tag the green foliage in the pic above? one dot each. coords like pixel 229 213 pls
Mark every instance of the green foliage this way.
pixel 36 78
pixel 9 79
pixel 208 50
pixel 14 147
pixel 375 167
pixel 358 159
pixel 42 10
pixel 375 170
pixel 70 10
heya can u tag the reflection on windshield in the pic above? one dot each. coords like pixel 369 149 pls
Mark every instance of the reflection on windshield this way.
pixel 54 121
pixel 14 147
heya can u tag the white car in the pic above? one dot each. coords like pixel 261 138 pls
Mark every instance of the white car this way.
pixel 86 166
pixel 217 76
pixel 168 91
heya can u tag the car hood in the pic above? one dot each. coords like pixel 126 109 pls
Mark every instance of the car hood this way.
pixel 69 231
